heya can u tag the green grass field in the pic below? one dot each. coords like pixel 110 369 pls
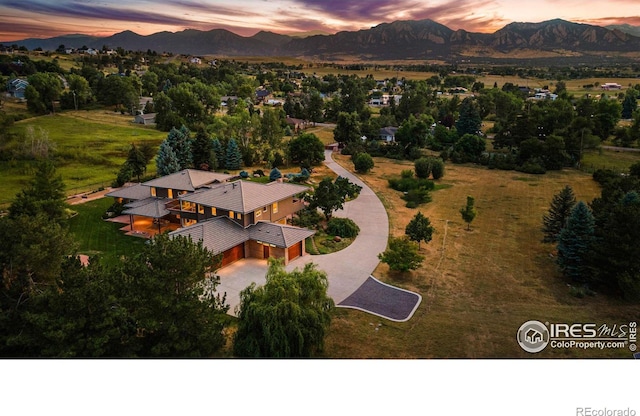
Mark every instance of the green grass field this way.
pixel 90 147
pixel 95 236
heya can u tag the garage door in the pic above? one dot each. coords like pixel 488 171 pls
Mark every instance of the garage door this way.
pixel 233 254
pixel 295 251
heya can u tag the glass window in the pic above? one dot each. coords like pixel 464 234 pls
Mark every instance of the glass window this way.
pixel 170 193
pixel 153 191
pixel 275 207
pixel 213 211
pixel 231 215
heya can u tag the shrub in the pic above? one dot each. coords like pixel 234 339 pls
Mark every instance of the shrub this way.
pixel 275 174
pixel 244 174
pixel 423 167
pixel 437 168
pixel 363 163
pixel 531 166
pixel 407 184
pixel 352 148
pixel 258 172
pixel 417 197
pixel 407 173
pixel 343 227
pixel 307 218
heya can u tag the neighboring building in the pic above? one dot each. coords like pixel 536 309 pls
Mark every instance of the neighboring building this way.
pixel 611 86
pixel 388 134
pixel 145 119
pixel 195 60
pixel 297 124
pixel 239 218
pixel 16 87
pixel 262 95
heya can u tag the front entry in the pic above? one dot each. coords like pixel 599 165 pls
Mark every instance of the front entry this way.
pixel 265 251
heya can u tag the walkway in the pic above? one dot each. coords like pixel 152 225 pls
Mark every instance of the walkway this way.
pixel 349 270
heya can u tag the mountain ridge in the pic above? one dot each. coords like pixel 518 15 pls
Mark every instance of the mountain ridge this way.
pixel 402 39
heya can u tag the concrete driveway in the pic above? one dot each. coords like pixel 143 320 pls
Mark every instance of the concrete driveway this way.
pixel 347 269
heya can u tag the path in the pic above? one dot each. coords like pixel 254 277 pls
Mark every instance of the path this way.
pixel 346 269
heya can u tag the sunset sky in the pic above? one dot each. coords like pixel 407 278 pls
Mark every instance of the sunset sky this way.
pixel 21 19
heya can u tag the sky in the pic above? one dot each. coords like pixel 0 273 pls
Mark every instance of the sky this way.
pixel 20 19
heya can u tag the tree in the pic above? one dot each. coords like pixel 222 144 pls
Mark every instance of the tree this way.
pixel 182 145
pixel 166 160
pixel 307 150
pixel 363 162
pixel 575 243
pixel 233 157
pixel 136 161
pixel 422 168
pixel 275 174
pixel 468 212
pixel 287 317
pixel 412 134
pixel 437 168
pixel 45 195
pixel 468 148
pixel 202 150
pixel 219 152
pixel 271 130
pixel 401 255
pixel 419 229
pixel 469 121
pixel 630 103
pixel 330 196
pixel 559 210
pixel 44 88
pixel 347 128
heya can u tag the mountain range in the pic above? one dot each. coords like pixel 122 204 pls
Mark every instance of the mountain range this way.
pixel 423 39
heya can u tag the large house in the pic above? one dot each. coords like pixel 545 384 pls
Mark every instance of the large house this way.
pixel 16 87
pixel 234 217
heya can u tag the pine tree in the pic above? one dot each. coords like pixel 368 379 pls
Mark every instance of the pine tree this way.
pixel 181 144
pixel 575 243
pixel 167 161
pixel 470 120
pixel 233 157
pixel 219 152
pixel 556 218
pixel 468 212
pixel 136 162
pixel 202 151
pixel 419 229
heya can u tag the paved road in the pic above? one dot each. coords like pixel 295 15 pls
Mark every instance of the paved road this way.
pixel 347 269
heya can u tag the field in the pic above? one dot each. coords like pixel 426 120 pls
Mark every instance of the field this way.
pixel 90 148
pixel 477 286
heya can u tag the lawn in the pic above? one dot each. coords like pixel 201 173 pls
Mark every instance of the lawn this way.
pixel 90 148
pixel 478 287
pixel 609 159
pixel 95 236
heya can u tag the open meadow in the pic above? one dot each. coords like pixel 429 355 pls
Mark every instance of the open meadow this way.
pixel 478 286
pixel 90 147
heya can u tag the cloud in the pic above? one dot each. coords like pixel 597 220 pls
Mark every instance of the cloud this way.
pixel 604 21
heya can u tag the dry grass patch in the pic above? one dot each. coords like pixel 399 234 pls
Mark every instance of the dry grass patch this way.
pixel 478 286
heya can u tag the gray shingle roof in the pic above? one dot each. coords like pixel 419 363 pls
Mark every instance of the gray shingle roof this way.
pixel 188 180
pixel 135 192
pixel 244 196
pixel 217 234
pixel 277 234
pixel 150 207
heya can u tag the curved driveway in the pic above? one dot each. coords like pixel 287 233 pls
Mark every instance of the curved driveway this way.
pixel 347 269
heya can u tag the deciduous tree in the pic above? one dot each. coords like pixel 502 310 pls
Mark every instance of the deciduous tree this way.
pixel 419 229
pixel 401 255
pixel 468 212
pixel 287 317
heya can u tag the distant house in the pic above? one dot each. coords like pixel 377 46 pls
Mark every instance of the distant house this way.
pixel 388 134
pixel 226 98
pixel 262 95
pixel 16 87
pixel 297 124
pixel 611 86
pixel 195 60
pixel 145 119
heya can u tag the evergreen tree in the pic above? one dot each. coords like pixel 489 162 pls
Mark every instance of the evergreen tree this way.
pixel 630 103
pixel 44 195
pixel 181 144
pixel 575 243
pixel 468 212
pixel 287 317
pixel 203 151
pixel 167 161
pixel 136 161
pixel 233 157
pixel 469 121
pixel 419 229
pixel 556 218
pixel 219 152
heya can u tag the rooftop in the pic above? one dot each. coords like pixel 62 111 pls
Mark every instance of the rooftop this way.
pixel 188 180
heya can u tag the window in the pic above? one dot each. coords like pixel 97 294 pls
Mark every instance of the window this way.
pixel 200 209
pixel 170 193
pixel 153 191
pixel 258 213
pixel 213 211
pixel 238 216
pixel 231 215
pixel 274 207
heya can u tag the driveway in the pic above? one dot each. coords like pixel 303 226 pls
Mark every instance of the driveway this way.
pixel 347 269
